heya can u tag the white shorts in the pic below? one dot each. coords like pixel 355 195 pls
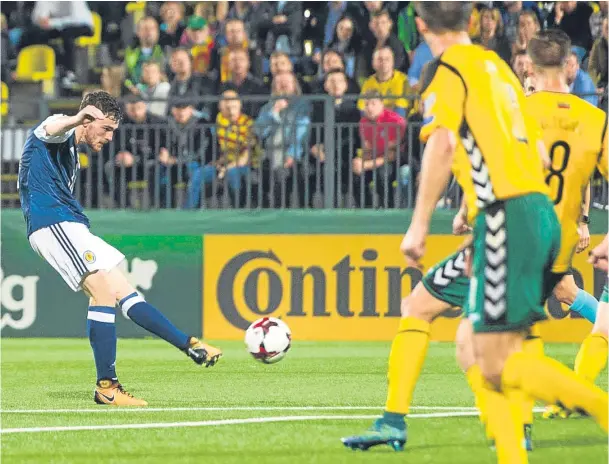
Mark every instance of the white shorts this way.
pixel 74 251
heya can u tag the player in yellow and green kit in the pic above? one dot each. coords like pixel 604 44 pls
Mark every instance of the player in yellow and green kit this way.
pixel 575 135
pixel 473 122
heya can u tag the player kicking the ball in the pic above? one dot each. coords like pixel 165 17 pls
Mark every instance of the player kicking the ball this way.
pixel 58 231
pixel 474 123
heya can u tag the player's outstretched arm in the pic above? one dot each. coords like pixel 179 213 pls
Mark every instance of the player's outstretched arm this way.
pixel 435 173
pixel 460 224
pixel 62 124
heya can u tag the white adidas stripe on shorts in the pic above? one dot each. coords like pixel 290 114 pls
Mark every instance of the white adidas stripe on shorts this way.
pixel 74 251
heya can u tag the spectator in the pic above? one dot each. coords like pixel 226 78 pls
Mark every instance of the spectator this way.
pixel 282 32
pixel 111 79
pixel 242 81
pixel 147 49
pixel 580 82
pixel 522 66
pixel 198 39
pixel 283 127
pixel 381 133
pixel 528 26
pixel 254 15
pixel 187 83
pixel 7 53
pixel 574 19
pixel 172 27
pixel 139 140
pixel 237 151
pixel 388 82
pixel 153 89
pixel 111 34
pixel 280 62
pixel 332 60
pixel 596 20
pixel 214 13
pixel 381 25
pixel 422 55
pixel 65 20
pixel 363 17
pixel 491 33
pixel 407 30
pixel 334 13
pixel 511 20
pixel 597 66
pixel 347 42
pixel 236 38
pixel 182 160
pixel 346 115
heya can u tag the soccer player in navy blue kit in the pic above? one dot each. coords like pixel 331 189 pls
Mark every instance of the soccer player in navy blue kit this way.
pixel 58 231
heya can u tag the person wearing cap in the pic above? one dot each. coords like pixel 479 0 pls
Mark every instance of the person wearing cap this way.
pixel 186 153
pixel 201 43
pixel 136 145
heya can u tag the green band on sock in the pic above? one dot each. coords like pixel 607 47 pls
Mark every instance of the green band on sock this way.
pixel 394 420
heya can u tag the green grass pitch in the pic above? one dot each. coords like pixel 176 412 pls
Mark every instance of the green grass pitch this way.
pixel 293 408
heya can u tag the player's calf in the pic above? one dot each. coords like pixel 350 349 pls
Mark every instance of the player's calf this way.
pixel 578 300
pixel 136 308
pixel 101 329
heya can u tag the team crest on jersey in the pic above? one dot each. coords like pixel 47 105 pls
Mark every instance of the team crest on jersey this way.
pixel 89 257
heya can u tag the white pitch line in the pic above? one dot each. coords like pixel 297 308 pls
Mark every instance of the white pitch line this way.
pixel 227 409
pixel 209 423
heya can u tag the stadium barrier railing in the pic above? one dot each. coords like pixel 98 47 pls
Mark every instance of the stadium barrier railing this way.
pixel 199 179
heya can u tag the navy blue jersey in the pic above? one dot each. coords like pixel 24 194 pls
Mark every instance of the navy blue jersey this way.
pixel 47 174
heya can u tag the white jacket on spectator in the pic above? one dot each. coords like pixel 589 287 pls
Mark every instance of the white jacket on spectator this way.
pixel 63 14
pixel 158 92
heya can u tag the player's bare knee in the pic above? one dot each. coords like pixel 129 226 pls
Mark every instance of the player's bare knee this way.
pixel 601 325
pixel 491 371
pixel 422 305
pixel 464 346
pixel 99 287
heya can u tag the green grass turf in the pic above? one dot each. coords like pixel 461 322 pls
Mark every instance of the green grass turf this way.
pixel 55 374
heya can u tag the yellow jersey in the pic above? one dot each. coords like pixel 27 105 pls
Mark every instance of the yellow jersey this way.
pixel 575 135
pixel 474 94
pixel 397 86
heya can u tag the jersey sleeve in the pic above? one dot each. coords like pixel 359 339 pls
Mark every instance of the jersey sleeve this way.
pixel 443 97
pixel 42 135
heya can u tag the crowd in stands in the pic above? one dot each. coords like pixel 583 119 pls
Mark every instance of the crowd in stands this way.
pixel 367 56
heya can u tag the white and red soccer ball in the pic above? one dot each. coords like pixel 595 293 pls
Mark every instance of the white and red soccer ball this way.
pixel 268 339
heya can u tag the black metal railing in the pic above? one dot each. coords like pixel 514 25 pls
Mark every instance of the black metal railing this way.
pixel 170 166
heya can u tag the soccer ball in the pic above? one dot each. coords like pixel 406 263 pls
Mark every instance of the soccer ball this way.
pixel 268 339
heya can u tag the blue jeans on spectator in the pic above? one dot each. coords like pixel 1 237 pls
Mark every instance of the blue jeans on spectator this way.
pixel 205 175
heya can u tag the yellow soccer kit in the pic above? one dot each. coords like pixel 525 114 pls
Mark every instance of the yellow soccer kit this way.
pixel 575 135
pixel 473 93
pixel 397 86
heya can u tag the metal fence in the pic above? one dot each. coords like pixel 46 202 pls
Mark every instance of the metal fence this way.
pixel 171 166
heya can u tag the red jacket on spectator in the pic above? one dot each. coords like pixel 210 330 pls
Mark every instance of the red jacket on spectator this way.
pixel 381 133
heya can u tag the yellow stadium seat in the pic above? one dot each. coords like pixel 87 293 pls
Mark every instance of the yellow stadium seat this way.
pixel 36 63
pixel 95 39
pixel 4 98
pixel 137 9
